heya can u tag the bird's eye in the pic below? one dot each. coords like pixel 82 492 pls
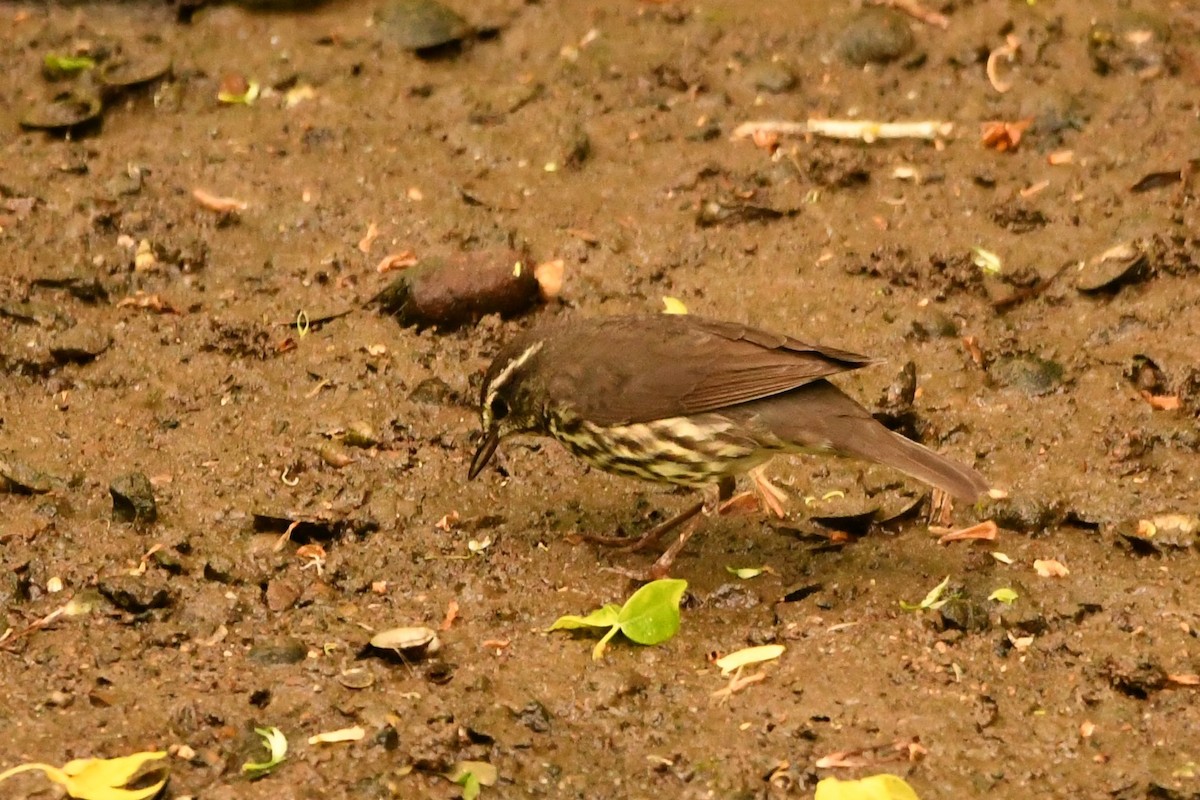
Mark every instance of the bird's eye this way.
pixel 499 408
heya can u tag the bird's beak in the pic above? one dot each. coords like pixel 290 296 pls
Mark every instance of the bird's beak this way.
pixel 487 448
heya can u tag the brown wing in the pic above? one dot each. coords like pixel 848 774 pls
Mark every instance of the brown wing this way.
pixel 642 368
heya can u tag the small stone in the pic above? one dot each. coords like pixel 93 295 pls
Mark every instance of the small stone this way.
pixel 282 651
pixel 421 24
pixel 732 596
pixel 1023 512
pixel 1029 374
pixel 772 78
pixel 20 478
pixel 964 614
pixel 79 345
pixel 876 35
pixel 220 569
pixel 133 498
pixel 281 594
pixel 433 391
pixel 137 593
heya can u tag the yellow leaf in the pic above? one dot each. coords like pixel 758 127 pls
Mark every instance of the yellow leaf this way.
pixel 103 778
pixel 673 305
pixel 341 735
pixel 749 655
pixel 876 787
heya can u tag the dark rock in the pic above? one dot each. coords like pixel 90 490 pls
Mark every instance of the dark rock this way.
pixel 221 569
pixel 535 717
pixel 1023 513
pixel 137 593
pixel 79 345
pixel 732 596
pixel 1137 679
pixel 20 478
pixel 434 392
pixel 133 498
pixel 1029 374
pixel 282 651
pixel 421 25
pixel 773 78
pixel 876 35
pixel 965 614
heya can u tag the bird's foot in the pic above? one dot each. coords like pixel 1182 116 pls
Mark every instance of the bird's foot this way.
pixel 662 567
pixel 635 544
pixel 771 496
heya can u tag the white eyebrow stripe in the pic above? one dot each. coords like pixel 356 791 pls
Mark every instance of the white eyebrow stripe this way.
pixel 509 369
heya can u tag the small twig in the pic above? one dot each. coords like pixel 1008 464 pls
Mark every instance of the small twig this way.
pixel 1007 51
pixel 864 130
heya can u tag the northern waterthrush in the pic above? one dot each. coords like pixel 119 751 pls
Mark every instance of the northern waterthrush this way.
pixel 689 401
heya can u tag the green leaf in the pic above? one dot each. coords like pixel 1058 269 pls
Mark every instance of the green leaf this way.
pixel 876 787
pixel 932 600
pixel 67 65
pixel 745 573
pixel 600 618
pixel 1006 596
pixel 651 614
pixel 472 776
pixel 277 744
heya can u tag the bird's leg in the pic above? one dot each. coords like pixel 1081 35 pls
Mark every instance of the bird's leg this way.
pixel 771 495
pixel 633 544
pixel 715 497
pixel 688 520
pixel 765 494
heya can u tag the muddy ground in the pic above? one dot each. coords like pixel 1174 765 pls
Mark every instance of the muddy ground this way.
pixel 599 134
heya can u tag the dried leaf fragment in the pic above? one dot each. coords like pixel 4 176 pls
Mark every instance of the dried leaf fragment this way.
pixel 749 655
pixel 395 261
pixel 150 302
pixel 1001 136
pixel 222 205
pixel 368 239
pixel 1050 568
pixel 353 734
pixel 1162 402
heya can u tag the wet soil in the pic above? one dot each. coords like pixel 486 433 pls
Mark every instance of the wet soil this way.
pixel 149 341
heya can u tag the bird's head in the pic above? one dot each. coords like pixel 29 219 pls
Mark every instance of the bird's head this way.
pixel 508 399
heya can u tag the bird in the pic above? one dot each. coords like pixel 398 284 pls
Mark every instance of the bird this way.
pixel 689 401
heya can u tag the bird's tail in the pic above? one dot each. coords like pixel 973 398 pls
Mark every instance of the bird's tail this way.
pixel 818 416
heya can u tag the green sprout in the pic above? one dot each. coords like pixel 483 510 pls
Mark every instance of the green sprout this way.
pixel 276 744
pixel 67 65
pixel 932 601
pixel 649 616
